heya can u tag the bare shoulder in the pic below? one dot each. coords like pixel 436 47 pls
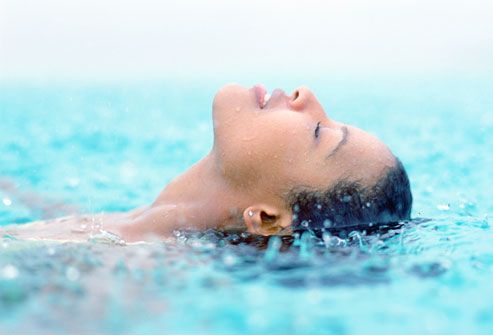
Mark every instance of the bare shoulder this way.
pixel 69 228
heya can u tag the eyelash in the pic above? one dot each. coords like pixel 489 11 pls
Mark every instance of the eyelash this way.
pixel 317 130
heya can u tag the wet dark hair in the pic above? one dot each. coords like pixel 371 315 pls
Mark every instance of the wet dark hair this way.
pixel 349 206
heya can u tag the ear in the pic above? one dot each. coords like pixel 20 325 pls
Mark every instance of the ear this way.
pixel 267 220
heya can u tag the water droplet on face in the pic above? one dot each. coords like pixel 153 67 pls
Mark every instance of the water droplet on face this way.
pixel 6 201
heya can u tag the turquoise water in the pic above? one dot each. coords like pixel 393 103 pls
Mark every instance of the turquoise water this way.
pixel 108 148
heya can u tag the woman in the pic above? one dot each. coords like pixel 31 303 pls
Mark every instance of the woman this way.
pixel 278 164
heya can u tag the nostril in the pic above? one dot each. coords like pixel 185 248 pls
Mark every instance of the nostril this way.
pixel 296 94
pixel 297 101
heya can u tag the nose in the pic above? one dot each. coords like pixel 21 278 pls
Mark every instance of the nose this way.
pixel 296 102
pixel 302 98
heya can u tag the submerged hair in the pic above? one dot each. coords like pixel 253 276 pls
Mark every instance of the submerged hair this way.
pixel 348 205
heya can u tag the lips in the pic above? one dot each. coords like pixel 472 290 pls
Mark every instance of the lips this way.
pixel 261 95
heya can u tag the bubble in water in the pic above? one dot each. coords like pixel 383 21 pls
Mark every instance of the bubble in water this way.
pixel 51 251
pixel 443 207
pixel 6 201
pixel 9 272
pixel 229 260
pixel 73 182
pixel 327 223
pixel 296 208
pixel 72 273
pixel 319 206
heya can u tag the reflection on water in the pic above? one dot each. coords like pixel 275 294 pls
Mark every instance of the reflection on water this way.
pixel 97 286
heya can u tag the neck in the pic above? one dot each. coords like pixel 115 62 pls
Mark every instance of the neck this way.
pixel 203 198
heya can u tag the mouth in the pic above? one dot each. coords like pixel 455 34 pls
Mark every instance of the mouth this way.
pixel 261 95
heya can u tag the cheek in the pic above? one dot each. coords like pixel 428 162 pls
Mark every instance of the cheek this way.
pixel 278 145
pixel 265 147
pixel 229 104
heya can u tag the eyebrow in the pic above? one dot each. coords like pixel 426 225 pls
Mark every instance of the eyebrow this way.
pixel 343 141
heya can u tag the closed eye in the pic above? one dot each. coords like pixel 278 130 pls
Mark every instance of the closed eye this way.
pixel 317 130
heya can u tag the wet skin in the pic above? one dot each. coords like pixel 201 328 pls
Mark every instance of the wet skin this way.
pixel 260 153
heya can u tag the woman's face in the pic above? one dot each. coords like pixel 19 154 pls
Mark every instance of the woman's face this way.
pixel 288 141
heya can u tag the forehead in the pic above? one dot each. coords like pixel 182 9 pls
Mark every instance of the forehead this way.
pixel 362 158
